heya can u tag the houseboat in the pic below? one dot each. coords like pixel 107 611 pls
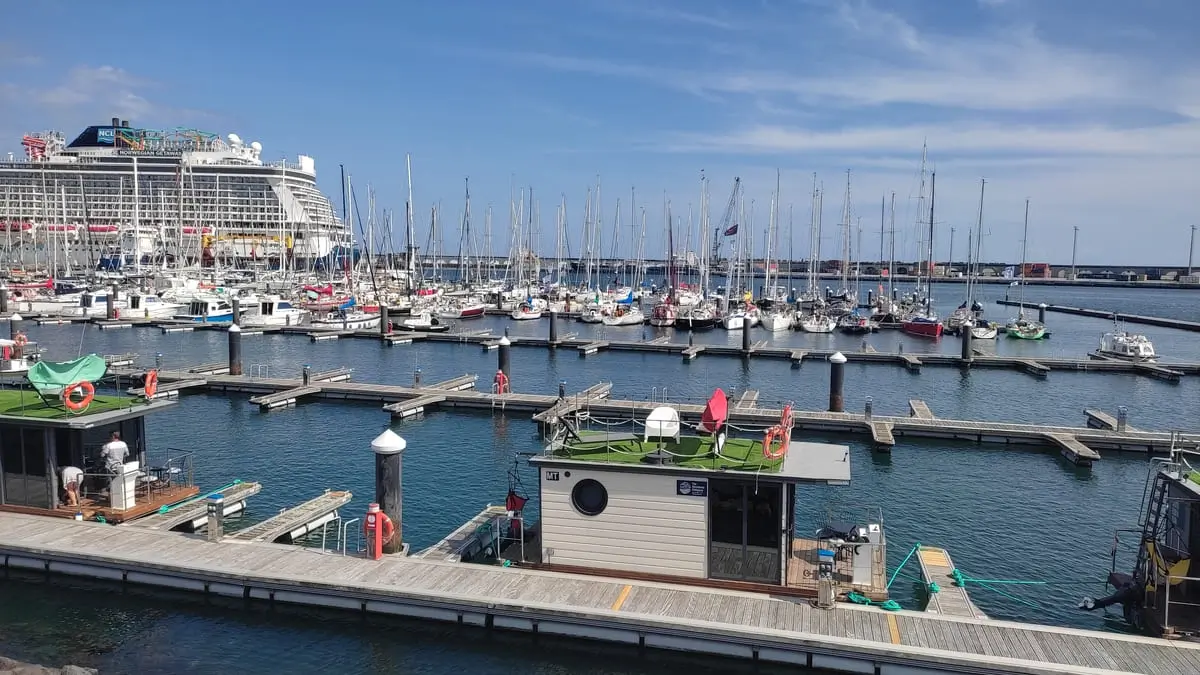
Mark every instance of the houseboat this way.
pixel 53 429
pixel 717 508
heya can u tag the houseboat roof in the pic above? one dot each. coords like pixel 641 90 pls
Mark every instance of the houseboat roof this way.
pixel 803 462
pixel 25 408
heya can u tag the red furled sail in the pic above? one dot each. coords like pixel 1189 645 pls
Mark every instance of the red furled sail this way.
pixel 715 412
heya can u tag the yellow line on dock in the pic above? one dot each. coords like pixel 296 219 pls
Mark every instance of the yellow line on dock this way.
pixel 893 628
pixel 616 606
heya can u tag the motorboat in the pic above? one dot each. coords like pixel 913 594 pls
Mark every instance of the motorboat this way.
pixel 1120 344
pixel 818 323
pixel 207 310
pixel 624 315
pixel 151 306
pixel 856 323
pixel 592 314
pixel 462 310
pixel 423 322
pixel 272 310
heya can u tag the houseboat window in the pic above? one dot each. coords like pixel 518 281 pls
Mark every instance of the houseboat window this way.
pixel 23 463
pixel 589 497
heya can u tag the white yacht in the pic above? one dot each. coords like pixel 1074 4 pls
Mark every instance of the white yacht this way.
pixel 273 310
pixel 818 323
pixel 624 315
pixel 1120 344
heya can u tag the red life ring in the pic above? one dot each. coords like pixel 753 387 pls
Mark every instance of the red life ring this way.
pixel 387 529
pixel 774 433
pixel 501 382
pixel 151 386
pixel 89 393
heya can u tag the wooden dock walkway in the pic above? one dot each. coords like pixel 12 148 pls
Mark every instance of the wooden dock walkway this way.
pixel 460 383
pixel 218 368
pixel 413 406
pixel 460 541
pixel 572 404
pixel 912 363
pixel 696 619
pixel 1161 322
pixel 919 409
pixel 285 398
pixel 335 375
pixel 692 352
pixel 169 389
pixel 1073 449
pixel 192 514
pixel 294 523
pixel 949 600
pixel 589 348
pixel 1098 419
pixel 881 435
pixel 748 399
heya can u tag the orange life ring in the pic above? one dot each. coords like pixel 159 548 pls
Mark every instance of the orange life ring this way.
pixel 387 529
pixel 151 386
pixel 89 393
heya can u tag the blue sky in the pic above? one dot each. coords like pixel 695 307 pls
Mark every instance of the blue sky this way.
pixel 1090 109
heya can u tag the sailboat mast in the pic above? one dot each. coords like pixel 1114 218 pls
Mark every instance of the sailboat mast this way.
pixel 410 249
pixel 892 252
pixel 972 244
pixel 929 269
pixel 1024 247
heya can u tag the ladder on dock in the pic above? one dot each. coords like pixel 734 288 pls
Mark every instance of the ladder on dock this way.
pixel 413 406
pixel 191 515
pixel 296 522
pixel 460 383
pixel 919 409
pixel 950 600
pixel 283 399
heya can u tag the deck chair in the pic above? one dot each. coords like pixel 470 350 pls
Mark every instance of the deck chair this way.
pixel 50 379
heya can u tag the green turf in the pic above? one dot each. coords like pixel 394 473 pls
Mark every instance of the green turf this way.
pixel 695 452
pixel 26 403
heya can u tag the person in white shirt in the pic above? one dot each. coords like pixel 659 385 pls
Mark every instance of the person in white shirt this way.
pixel 114 453
pixel 71 477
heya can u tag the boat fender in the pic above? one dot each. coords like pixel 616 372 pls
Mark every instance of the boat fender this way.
pixel 151 387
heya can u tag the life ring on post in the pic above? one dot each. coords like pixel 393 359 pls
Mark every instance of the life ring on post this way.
pixel 501 382
pixel 20 341
pixel 89 393
pixel 782 433
pixel 151 386
pixel 385 526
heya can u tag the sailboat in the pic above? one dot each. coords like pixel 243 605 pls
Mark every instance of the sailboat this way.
pixel 1020 327
pixel 780 316
pixel 923 321
pixel 664 313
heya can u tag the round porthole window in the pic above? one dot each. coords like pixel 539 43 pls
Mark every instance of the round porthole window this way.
pixel 589 497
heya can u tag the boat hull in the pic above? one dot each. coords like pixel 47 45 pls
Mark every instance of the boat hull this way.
pixel 928 329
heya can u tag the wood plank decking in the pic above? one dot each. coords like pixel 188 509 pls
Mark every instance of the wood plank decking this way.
pixel 656 615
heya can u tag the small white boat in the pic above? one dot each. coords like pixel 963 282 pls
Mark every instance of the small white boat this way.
pixel 663 315
pixel 818 323
pixel 592 314
pixel 466 310
pixel 778 319
pixel 423 321
pixel 151 307
pixel 347 319
pixel 525 312
pixel 625 316
pixel 274 311
pixel 211 310
pixel 1127 346
pixel 982 329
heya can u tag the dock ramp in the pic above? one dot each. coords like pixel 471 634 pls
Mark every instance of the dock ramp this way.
pixel 296 522
pixel 192 514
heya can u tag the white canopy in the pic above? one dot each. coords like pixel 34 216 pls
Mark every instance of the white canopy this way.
pixel 7 343
pixel 663 422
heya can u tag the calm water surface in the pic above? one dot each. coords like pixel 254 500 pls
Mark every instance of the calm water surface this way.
pixel 1003 513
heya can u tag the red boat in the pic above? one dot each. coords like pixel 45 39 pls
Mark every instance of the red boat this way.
pixel 923 326
pixel 715 412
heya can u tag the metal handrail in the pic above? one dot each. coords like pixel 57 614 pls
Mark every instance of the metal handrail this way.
pixel 1169 578
pixel 343 540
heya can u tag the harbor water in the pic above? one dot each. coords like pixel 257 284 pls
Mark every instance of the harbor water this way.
pixel 1004 513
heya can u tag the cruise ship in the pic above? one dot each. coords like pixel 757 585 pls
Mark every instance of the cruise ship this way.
pixel 125 200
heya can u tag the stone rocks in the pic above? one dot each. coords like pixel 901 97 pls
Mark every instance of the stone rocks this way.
pixel 11 667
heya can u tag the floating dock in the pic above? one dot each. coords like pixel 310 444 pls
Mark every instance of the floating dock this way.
pixel 596 402
pixel 950 599
pixel 295 523
pixel 192 515
pixel 459 543
pixel 1161 322
pixel 749 626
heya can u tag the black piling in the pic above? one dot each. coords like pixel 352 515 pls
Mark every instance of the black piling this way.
pixel 236 303
pixel 746 337
pixel 1042 314
pixel 110 310
pixel 553 329
pixel 837 381
pixel 389 470
pixel 968 354
pixel 14 326
pixel 385 322
pixel 235 349
pixel 3 299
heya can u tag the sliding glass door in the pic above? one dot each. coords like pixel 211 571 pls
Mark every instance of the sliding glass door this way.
pixel 744 531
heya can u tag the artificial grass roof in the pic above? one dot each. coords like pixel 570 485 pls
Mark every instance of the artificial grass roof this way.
pixel 26 403
pixel 693 452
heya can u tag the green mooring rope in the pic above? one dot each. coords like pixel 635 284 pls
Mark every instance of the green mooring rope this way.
pixel 859 599
pixel 961 580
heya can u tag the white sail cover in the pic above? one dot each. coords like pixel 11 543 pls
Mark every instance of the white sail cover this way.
pixel 663 422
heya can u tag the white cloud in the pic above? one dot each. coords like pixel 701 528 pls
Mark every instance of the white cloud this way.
pixel 106 88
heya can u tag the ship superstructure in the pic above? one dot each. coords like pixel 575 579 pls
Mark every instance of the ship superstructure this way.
pixel 127 199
